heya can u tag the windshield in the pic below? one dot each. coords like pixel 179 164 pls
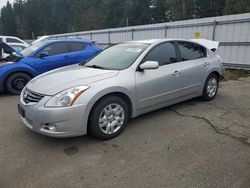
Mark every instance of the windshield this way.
pixel 118 57
pixel 31 49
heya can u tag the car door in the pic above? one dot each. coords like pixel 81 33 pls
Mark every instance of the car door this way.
pixel 162 85
pixel 57 57
pixel 194 65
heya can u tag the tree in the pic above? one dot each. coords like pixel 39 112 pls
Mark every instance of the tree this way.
pixel 115 12
pixel 141 12
pixel 236 6
pixel 35 17
pixel 159 11
pixel 207 8
pixel 8 20
pixel 20 21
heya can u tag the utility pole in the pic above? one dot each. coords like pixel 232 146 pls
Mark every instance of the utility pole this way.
pixel 33 36
pixel 127 21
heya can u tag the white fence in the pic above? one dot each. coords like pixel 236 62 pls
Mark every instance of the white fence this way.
pixel 232 31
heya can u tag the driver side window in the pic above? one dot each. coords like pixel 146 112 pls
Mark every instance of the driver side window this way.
pixel 55 49
pixel 163 53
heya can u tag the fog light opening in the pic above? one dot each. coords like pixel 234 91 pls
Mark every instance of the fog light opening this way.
pixel 50 127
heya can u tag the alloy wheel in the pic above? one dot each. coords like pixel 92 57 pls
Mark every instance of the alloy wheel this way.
pixel 111 118
pixel 212 87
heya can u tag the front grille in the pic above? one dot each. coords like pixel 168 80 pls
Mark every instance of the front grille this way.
pixel 31 97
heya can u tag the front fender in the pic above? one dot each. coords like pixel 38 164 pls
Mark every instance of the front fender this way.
pixel 110 90
pixel 9 69
pixel 115 89
pixel 91 97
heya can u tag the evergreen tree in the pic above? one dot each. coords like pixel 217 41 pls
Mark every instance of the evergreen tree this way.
pixel 236 6
pixel 27 18
pixel 8 20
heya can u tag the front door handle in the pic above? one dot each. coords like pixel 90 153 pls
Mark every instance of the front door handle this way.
pixel 206 64
pixel 176 73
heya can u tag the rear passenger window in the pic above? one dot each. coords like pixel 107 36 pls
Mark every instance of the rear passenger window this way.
pixel 164 53
pixel 191 51
pixel 77 46
pixel 56 49
pixel 12 40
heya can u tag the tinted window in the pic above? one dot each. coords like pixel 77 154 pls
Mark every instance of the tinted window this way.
pixel 1 39
pixel 77 46
pixel 56 49
pixel 191 51
pixel 31 49
pixel 11 40
pixel 164 53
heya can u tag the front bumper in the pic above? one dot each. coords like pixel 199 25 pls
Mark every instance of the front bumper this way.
pixel 55 122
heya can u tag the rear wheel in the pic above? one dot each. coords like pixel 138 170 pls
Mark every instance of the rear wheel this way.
pixel 211 87
pixel 108 118
pixel 16 82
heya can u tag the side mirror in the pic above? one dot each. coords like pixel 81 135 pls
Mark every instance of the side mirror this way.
pixel 149 65
pixel 43 54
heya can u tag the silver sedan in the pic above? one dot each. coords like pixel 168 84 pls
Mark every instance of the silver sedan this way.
pixel 122 82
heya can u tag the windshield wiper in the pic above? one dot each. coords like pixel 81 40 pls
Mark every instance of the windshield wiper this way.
pixel 95 66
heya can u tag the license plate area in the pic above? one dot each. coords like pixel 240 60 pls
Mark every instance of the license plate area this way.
pixel 21 110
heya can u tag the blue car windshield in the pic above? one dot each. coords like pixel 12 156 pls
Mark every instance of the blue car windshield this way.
pixel 31 49
pixel 118 57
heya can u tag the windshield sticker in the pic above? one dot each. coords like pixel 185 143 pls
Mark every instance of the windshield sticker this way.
pixel 136 50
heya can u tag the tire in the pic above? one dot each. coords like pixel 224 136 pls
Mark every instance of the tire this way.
pixel 16 82
pixel 210 88
pixel 104 122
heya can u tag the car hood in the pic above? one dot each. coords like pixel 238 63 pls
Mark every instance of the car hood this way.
pixel 10 49
pixel 58 80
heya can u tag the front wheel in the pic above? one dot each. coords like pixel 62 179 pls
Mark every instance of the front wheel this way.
pixel 211 87
pixel 108 118
pixel 16 82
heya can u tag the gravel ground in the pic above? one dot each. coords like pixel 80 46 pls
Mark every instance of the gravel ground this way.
pixel 192 144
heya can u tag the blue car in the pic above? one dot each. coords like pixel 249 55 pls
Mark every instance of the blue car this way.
pixel 18 68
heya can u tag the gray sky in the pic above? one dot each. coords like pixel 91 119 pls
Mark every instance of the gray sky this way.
pixel 3 2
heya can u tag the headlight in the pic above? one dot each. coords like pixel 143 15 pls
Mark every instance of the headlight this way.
pixel 67 97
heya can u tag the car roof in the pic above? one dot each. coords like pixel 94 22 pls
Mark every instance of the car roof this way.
pixel 209 44
pixel 68 40
pixel 152 41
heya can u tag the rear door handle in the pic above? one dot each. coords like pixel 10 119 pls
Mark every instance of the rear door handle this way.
pixel 176 73
pixel 206 64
